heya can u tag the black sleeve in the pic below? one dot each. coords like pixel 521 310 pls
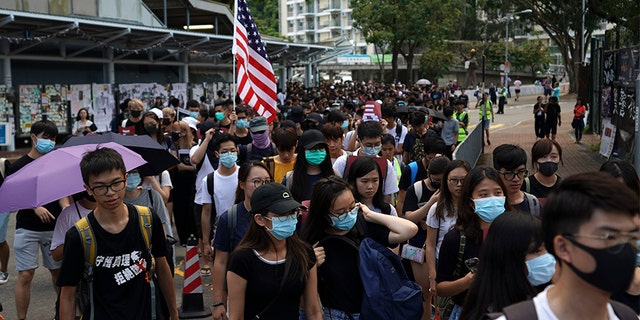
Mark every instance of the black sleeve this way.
pixel 405 178
pixel 410 200
pixel 158 238
pixel 72 261
pixel 448 256
pixel 240 263
pixel 375 231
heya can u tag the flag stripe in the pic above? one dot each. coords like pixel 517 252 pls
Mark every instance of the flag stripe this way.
pixel 255 78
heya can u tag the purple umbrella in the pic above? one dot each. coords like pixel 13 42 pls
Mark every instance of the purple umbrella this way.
pixel 53 176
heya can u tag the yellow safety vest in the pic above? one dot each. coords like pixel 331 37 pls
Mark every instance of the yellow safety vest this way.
pixel 487 110
pixel 462 131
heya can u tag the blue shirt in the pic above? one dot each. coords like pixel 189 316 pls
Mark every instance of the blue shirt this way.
pixel 222 240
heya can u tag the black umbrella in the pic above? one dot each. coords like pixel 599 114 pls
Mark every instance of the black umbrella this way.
pixel 432 113
pixel 157 157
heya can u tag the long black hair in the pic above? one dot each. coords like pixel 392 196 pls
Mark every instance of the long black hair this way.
pixel 300 176
pixel 445 201
pixel 501 279
pixel 360 168
pixel 325 192
pixel 468 221
pixel 297 257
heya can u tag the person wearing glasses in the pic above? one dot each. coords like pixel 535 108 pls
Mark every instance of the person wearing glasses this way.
pixel 482 199
pixel 251 175
pixel 217 192
pixel 122 254
pixel 442 216
pixel 272 270
pixel 333 215
pixel 592 232
pixel 511 162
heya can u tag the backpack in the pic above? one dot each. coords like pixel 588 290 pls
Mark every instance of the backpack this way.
pixel 417 152
pixel 272 151
pixel 232 225
pixel 84 291
pixel 526 310
pixel 413 165
pixel 4 166
pixel 389 294
pixel 534 204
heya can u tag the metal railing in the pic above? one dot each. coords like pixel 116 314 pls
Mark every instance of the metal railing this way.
pixel 471 147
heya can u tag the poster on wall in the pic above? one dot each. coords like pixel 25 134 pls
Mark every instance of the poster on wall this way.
pixel 628 66
pixel 624 108
pixel 197 91
pixel 29 107
pixel 608 138
pixel 6 108
pixel 55 107
pixel 609 72
pixel 104 104
pixel 179 91
pixel 143 91
pixel 79 96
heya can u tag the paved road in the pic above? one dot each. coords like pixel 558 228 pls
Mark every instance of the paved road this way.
pixel 515 126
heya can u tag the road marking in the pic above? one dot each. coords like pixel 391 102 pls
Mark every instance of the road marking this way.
pixel 493 126
pixel 177 270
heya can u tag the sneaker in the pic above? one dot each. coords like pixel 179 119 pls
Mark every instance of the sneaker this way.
pixel 488 142
pixel 4 277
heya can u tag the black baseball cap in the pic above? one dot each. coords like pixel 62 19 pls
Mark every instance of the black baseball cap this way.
pixel 273 197
pixel 311 138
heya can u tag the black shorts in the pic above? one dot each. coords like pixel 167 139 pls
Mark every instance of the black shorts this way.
pixel 552 127
pixel 517 90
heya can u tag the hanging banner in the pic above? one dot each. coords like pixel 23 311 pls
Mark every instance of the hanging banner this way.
pixel 180 92
pixel 79 96
pixel 54 106
pixel 607 139
pixel 6 109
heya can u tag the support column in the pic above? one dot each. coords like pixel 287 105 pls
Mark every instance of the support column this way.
pixel 8 81
pixel 111 67
pixel 184 74
pixel 308 71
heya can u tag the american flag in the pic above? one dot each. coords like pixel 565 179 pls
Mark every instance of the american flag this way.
pixel 255 78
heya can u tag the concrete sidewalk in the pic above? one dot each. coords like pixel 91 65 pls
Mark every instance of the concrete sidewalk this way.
pixel 576 158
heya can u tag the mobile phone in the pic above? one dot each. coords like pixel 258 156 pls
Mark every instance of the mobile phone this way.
pixel 472 264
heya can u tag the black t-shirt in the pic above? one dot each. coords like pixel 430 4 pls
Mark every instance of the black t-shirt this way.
pixel 553 109
pixel 118 275
pixel 263 284
pixel 412 203
pixel 448 259
pixel 138 125
pixel 405 178
pixel 536 115
pixel 244 140
pixel 311 180
pixel 537 189
pixel 255 154
pixel 339 283
pixel 27 218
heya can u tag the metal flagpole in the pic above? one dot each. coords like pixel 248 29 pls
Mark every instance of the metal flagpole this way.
pixel 233 53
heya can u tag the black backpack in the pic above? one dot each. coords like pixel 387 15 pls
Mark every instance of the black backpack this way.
pixel 526 310
pixel 4 167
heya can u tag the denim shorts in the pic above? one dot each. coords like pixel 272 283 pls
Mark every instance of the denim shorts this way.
pixel 25 247
pixel 335 314
pixel 4 221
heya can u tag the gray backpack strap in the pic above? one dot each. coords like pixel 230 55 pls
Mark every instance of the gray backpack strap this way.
pixel 534 204
pixel 417 189
pixel 288 180
pixel 527 185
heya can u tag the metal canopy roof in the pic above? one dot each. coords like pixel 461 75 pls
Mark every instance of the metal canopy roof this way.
pixel 34 36
pixel 194 12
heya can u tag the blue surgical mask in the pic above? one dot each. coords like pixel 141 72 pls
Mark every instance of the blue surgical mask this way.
pixel 283 229
pixel 315 157
pixel 541 269
pixel 242 124
pixel 345 221
pixel 488 209
pixel 372 151
pixel 345 124
pixel 133 181
pixel 228 159
pixel 45 146
pixel 194 114
pixel 219 116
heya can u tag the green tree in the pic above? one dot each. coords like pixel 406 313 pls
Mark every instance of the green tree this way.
pixel 435 61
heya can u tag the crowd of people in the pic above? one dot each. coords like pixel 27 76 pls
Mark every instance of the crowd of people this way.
pixel 272 205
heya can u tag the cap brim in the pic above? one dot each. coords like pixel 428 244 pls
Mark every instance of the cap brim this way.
pixel 312 145
pixel 259 128
pixel 284 206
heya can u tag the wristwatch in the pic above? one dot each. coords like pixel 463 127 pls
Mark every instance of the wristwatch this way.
pixel 217 304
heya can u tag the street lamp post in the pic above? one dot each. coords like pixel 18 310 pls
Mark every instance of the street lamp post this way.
pixel 507 65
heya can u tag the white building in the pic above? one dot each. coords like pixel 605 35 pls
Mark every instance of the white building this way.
pixel 320 21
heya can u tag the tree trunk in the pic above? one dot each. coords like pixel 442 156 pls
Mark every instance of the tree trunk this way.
pixel 409 58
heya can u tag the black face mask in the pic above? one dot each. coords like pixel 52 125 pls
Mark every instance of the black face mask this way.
pixel 175 136
pixel 436 184
pixel 136 113
pixel 614 271
pixel 548 168
pixel 166 122
pixel 153 129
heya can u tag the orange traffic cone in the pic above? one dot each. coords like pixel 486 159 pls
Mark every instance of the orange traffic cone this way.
pixel 192 302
